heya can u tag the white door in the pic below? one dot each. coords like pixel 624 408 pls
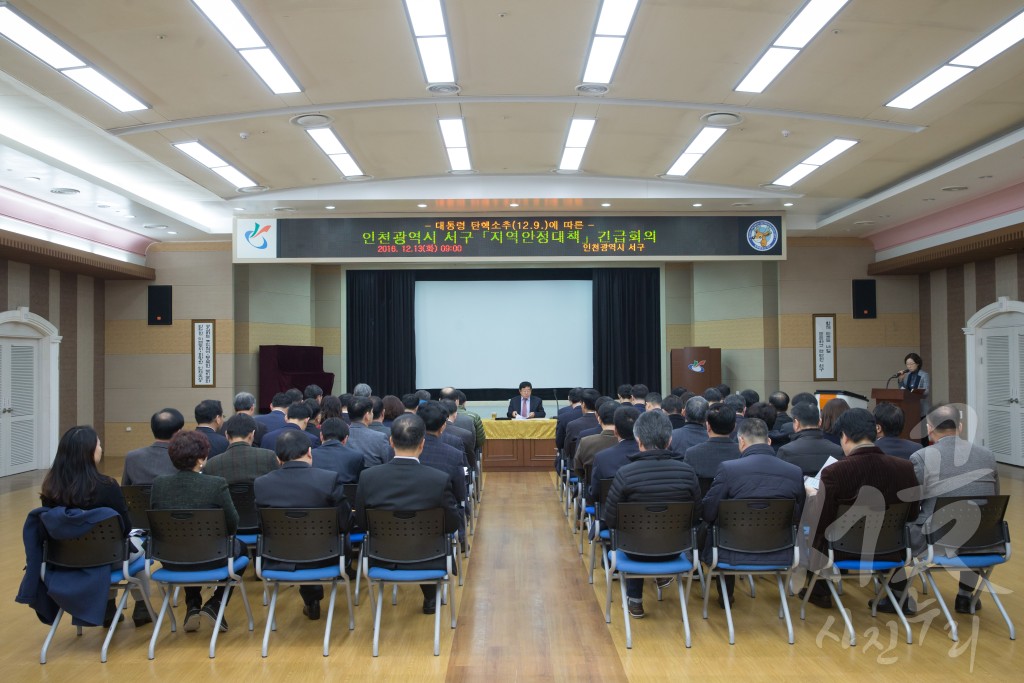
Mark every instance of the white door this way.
pixel 19 405
pixel 1001 353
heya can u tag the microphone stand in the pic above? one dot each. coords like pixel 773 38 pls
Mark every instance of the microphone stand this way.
pixel 554 393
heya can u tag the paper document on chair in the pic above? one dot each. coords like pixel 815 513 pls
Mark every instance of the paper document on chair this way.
pixel 815 481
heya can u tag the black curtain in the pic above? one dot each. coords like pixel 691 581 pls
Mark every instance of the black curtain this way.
pixel 627 328
pixel 382 330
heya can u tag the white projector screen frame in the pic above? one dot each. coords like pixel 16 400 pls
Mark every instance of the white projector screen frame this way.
pixel 485 334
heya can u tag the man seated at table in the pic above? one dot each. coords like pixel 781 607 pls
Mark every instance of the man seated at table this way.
pixel 526 406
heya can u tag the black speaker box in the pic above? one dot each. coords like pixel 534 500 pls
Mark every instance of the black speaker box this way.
pixel 159 312
pixel 864 299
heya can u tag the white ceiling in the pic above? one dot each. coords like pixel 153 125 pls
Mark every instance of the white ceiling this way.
pixel 517 62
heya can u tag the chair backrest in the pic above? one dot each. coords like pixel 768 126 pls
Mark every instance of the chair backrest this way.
pixel 300 534
pixel 406 536
pixel 350 493
pixel 755 525
pixel 705 485
pixel 968 524
pixel 136 497
pixel 588 469
pixel 869 531
pixel 102 545
pixel 654 528
pixel 244 498
pixel 604 486
pixel 188 536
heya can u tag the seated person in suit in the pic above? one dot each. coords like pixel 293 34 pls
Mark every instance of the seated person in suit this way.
pixel 654 474
pixel 591 445
pixel 297 420
pixel 587 420
pixel 377 421
pixel 638 396
pixel 951 466
pixel 608 461
pixel 890 421
pixel 808 448
pixel 209 419
pixel 739 406
pixel 335 454
pixel 757 474
pixel 189 489
pixel 143 465
pixel 673 407
pixel 278 414
pixel 298 484
pixel 241 463
pixel 526 405
pixel 314 392
pixel 779 401
pixel 786 428
pixel 706 457
pixel 372 444
pixel 444 456
pixel 403 483
pixel 653 401
pixel 245 403
pixel 694 431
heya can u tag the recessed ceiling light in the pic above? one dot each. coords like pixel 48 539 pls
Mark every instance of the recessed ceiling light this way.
pixel 330 208
pixel 171 232
pixel 955 188
pixel 513 205
pixel 697 205
pixel 35 179
pixel 251 189
pixel 422 206
pixel 128 216
pixel 814 162
pixel 997 41
pixel 238 208
pixel 358 178
pixel 931 84
pixel 863 222
pixel 284 209
pixel 811 19
pixel 103 206
pixel 767 68
pixel 742 204
pixel 64 190
pixel 788 204
pixel 154 226
pixel 605 204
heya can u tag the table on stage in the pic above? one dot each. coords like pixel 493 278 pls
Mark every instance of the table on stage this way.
pixel 519 445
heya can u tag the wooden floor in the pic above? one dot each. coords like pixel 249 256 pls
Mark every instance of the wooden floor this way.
pixel 526 613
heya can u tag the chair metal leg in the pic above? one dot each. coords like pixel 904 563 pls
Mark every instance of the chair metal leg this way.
pixel 270 618
pixel 842 610
pixel 394 594
pixel 995 598
pixel 608 586
pixel 177 591
pixel 359 574
pixel 682 606
pixel 625 611
pixel 49 636
pixel 750 580
pixel 330 617
pixel 348 598
pixel 159 619
pixel 728 608
pixel 899 609
pixel 245 602
pixel 437 622
pixel 376 619
pixel 451 604
pixel 785 605
pixel 593 551
pixel 953 635
pixel 706 590
pixel 113 625
pixel 220 618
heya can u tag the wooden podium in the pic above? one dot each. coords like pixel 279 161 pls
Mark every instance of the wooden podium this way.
pixel 908 401
pixel 707 359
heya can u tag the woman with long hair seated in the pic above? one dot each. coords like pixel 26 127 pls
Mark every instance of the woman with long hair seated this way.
pixel 75 482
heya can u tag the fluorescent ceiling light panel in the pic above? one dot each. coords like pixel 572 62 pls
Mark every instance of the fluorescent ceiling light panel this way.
pixel 229 20
pixel 767 68
pixel 1003 38
pixel 829 152
pixel 703 141
pixel 458 159
pixel 811 19
pixel 615 17
pixel 579 132
pixel 426 17
pixel 604 55
pixel 105 89
pixel 798 173
pixel 572 157
pixel 202 154
pixel 940 79
pixel 684 163
pixel 35 41
pixel 454 132
pixel 234 176
pixel 346 164
pixel 268 67
pixel 327 141
pixel 436 56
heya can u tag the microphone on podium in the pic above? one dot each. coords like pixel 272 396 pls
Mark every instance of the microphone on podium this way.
pixel 554 392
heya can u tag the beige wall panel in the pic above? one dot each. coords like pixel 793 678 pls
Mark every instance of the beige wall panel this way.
pixel 327 313
pixel 333 363
pixel 329 338
pixel 815 296
pixel 281 309
pixel 135 337
pixel 859 370
pixel 247 374
pixel 127 300
pixel 1006 277
pixel 199 302
pixel 897 329
pixel 118 441
pixel 823 264
pixel 241 292
pixel 206 268
pixel 17 285
pixel 795 330
pixel 163 371
pixel 725 275
pixel 86 350
pixel 897 294
pixel 269 334
pixel 940 340
pixel 678 295
pixel 138 404
pixel 281 278
pixel 745 369
pixel 747 333
pixel 679 336
pixel 729 304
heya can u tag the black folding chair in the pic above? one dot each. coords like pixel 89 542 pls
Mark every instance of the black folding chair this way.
pixel 244 498
pixel 356 536
pixel 179 538
pixel 102 546
pixel 408 537
pixel 302 536
pixel 750 530
pixel 136 497
pixel 864 537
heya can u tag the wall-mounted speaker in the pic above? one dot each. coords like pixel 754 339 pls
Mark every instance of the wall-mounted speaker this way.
pixel 864 299
pixel 159 312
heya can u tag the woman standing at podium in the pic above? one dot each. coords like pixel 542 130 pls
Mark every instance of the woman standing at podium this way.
pixel 914 377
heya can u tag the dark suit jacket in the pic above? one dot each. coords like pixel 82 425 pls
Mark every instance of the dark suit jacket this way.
pixel 590 446
pixel 343 460
pixel 808 450
pixel 676 419
pixel 536 406
pixel 688 435
pixel 194 491
pixel 143 465
pixel 901 448
pixel 299 485
pixel 706 457
pixel 241 463
pixel 218 443
pixel 757 474
pixel 573 429
pixel 564 418
pixel 608 462
pixel 447 459
pixel 841 482
pixel 275 419
pixel 467 441
pixel 270 440
pixel 451 437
